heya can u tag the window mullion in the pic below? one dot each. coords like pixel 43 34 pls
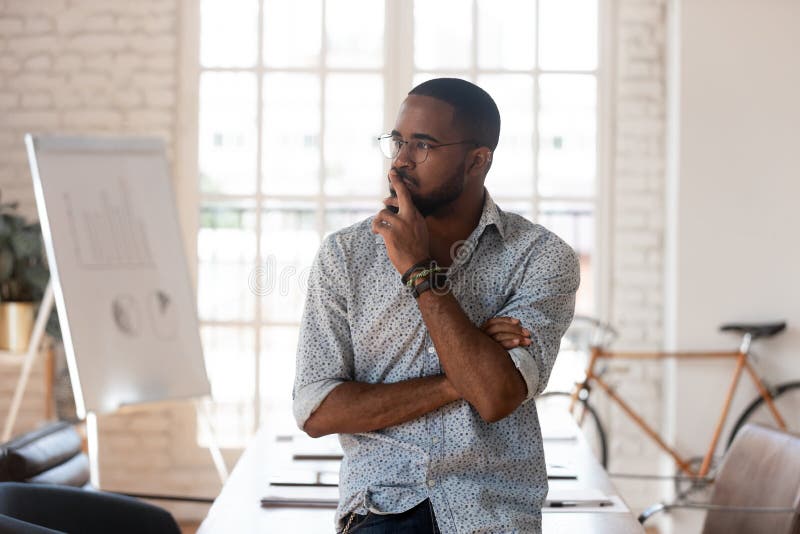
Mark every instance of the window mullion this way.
pixel 259 209
pixel 535 137
pixel 398 57
pixel 474 51
pixel 323 57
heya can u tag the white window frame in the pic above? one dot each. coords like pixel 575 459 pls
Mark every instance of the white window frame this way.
pixel 398 74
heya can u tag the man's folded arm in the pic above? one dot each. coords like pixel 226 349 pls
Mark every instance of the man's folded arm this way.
pixel 493 380
pixel 353 407
pixel 326 397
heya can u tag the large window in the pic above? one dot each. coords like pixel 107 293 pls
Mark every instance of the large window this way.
pixel 292 96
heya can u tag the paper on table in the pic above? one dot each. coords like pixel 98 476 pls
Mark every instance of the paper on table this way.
pixel 582 500
pixel 561 471
pixel 552 430
pixel 304 477
pixel 313 496
pixel 326 448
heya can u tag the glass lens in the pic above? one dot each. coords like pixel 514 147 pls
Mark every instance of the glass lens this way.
pixel 567 135
pixel 226 255
pixel 227 137
pixel 291 137
pixel 354 30
pixel 228 33
pixel 353 113
pixel 506 34
pixel 442 34
pixel 289 243
pixel 389 147
pixel 512 166
pixel 278 354
pixel 292 33
pixel 568 34
pixel 574 222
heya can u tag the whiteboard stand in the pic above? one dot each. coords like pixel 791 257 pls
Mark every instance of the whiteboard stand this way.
pixel 109 222
pixel 45 307
pixel 34 342
pixel 206 421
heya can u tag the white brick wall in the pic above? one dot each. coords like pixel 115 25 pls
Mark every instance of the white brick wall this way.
pixel 638 236
pixel 83 67
pixel 33 409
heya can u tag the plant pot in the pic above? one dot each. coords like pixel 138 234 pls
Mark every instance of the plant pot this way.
pixel 16 325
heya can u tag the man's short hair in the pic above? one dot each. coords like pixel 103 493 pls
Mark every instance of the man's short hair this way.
pixel 475 111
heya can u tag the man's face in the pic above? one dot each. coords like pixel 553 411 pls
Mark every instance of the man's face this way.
pixel 439 179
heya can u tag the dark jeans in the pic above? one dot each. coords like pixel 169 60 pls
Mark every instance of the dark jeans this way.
pixel 418 520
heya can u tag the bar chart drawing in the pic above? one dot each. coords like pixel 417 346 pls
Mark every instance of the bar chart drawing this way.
pixel 106 232
pixel 121 278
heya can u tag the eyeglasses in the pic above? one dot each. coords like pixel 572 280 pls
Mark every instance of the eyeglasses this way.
pixel 417 148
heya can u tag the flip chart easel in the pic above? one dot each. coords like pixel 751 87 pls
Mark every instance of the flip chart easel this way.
pixel 119 276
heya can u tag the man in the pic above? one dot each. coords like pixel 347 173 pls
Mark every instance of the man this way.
pixel 434 413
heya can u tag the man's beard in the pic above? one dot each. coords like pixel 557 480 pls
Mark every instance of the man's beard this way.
pixel 446 193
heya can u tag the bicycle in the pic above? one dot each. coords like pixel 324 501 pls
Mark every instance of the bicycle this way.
pixel 777 405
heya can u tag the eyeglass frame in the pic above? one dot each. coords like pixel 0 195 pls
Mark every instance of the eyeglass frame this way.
pixel 431 146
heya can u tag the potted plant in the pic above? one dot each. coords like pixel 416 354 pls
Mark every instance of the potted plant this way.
pixel 23 278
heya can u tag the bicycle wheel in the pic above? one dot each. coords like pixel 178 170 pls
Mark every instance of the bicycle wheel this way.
pixel 554 406
pixel 786 398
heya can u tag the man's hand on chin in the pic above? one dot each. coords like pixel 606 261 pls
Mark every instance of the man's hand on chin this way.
pixel 405 232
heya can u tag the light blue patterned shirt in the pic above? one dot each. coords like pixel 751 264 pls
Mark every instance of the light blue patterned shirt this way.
pixel 360 323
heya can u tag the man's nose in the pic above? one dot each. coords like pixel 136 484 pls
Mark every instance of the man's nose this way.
pixel 403 157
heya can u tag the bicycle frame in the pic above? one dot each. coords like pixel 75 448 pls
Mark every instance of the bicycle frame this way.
pixel 742 362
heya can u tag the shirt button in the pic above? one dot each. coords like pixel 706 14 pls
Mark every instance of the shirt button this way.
pixel 435 440
pixel 431 350
pixel 431 483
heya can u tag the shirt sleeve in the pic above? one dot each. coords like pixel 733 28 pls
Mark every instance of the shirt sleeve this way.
pixel 324 350
pixel 544 303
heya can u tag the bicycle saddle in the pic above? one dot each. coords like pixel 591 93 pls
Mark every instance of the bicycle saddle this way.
pixel 756 330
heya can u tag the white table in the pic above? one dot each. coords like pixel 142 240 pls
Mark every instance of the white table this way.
pixel 238 509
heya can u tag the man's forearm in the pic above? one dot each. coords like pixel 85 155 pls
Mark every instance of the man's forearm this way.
pixel 478 367
pixel 359 407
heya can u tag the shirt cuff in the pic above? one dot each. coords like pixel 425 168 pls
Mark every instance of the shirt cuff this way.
pixel 309 397
pixel 528 368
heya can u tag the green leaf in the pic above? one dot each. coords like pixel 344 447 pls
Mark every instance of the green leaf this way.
pixel 26 243
pixel 6 263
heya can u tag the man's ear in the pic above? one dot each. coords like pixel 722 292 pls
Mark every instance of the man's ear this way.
pixel 481 160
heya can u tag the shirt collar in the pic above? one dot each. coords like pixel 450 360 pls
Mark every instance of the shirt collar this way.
pixel 490 215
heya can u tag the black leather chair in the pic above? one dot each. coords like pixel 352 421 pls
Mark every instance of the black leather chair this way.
pixel 52 454
pixel 27 508
pixel 44 488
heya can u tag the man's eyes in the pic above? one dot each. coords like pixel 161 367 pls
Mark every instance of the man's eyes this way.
pixel 419 145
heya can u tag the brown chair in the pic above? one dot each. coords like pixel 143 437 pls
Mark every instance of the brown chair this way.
pixel 757 487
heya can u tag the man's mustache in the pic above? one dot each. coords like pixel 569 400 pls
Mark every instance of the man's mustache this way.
pixel 402 174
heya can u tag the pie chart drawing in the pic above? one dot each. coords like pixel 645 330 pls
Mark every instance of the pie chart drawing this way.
pixel 163 315
pixel 127 317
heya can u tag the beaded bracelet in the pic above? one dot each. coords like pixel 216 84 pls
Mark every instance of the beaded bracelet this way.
pixel 423 274
pixel 416 267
